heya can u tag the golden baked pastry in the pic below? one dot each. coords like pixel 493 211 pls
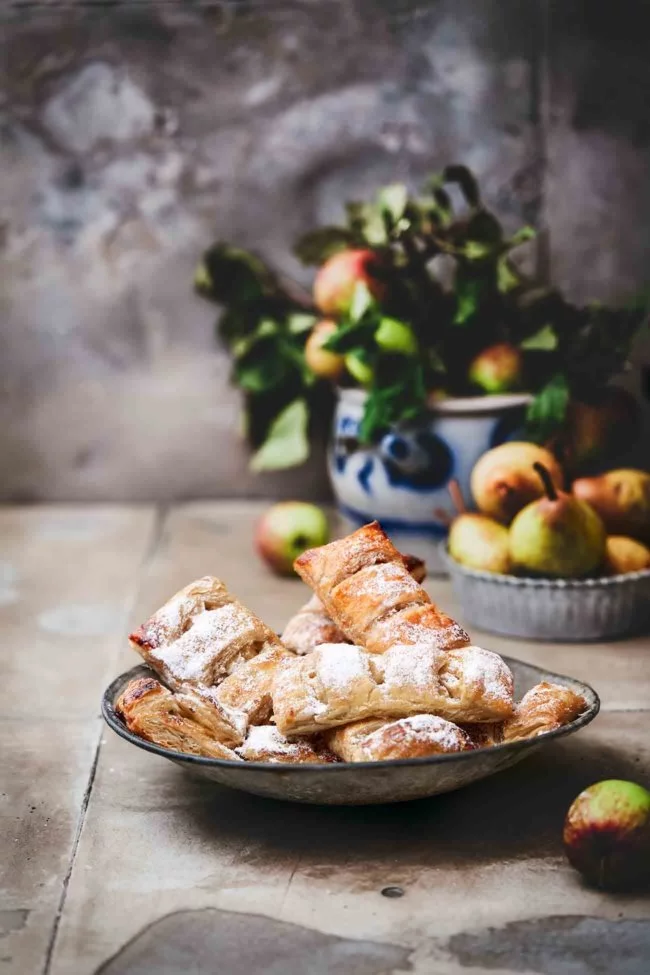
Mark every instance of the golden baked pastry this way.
pixel 311 625
pixel 378 671
pixel 418 736
pixel 545 707
pixel 339 683
pixel 368 592
pixel 248 689
pixel 264 743
pixel 183 722
pixel 201 635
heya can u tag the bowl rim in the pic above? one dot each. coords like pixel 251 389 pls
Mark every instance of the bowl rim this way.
pixel 485 403
pixel 140 670
pixel 530 582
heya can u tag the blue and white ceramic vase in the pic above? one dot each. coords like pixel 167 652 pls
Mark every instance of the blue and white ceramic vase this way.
pixel 403 481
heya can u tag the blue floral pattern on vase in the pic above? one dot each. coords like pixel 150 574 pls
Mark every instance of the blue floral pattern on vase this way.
pixel 403 481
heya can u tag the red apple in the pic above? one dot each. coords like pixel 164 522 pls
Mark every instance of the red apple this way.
pixel 286 530
pixel 607 834
pixel 322 362
pixel 497 369
pixel 338 277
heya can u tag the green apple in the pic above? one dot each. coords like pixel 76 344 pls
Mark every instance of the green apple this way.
pixel 395 336
pixel 286 530
pixel 607 834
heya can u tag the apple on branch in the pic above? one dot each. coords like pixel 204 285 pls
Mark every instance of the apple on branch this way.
pixel 337 279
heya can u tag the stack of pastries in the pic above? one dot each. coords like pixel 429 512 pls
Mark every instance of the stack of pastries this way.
pixel 369 669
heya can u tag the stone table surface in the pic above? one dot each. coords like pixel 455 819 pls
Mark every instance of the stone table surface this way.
pixel 116 861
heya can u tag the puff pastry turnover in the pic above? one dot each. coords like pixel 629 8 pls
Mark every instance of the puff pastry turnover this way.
pixel 264 743
pixel 545 707
pixel 418 736
pixel 367 590
pixel 183 722
pixel 248 689
pixel 340 683
pixel 201 635
pixel 311 625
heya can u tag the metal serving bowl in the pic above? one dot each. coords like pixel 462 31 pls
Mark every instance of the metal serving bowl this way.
pixel 562 610
pixel 364 783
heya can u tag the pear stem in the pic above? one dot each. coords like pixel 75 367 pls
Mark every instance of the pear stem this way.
pixel 457 498
pixel 547 481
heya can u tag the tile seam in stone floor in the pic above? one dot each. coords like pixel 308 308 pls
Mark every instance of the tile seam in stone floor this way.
pixel 152 547
pixel 73 853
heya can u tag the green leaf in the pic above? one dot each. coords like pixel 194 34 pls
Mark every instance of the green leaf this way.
pixel 317 246
pixel 299 323
pixel 286 444
pixel 236 323
pixel 522 235
pixel 397 396
pixel 367 223
pixel 352 335
pixel 362 301
pixel 544 341
pixel 508 279
pixel 202 280
pixel 235 275
pixel 261 365
pixel 393 199
pixel 465 180
pixel 468 298
pixel 548 410
pixel 484 227
pixel 475 250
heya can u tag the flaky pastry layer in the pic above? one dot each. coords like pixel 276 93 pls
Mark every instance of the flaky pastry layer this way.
pixel 183 722
pixel 418 736
pixel 340 683
pixel 201 635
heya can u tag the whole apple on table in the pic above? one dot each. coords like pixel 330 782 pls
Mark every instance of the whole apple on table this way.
pixel 286 530
pixel 527 523
pixel 607 835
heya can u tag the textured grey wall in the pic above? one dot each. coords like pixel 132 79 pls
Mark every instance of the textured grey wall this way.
pixel 134 133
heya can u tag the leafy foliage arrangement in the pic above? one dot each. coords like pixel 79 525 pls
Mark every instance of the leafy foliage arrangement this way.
pixel 443 289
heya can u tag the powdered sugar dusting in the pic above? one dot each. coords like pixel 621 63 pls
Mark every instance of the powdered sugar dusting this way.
pixel 309 628
pixel 413 667
pixel 386 583
pixel 419 730
pixel 194 656
pixel 265 744
pixel 266 737
pixel 340 665
pixel 488 671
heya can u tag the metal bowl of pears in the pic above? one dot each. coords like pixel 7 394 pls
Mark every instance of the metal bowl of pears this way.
pixel 567 566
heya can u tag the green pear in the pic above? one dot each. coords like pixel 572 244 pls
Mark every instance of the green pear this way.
pixel 558 536
pixel 479 542
pixel 622 499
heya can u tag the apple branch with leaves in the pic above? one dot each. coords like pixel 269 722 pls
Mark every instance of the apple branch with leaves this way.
pixel 422 300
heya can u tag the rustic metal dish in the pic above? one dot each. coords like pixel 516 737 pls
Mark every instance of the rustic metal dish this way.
pixel 562 610
pixel 364 783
